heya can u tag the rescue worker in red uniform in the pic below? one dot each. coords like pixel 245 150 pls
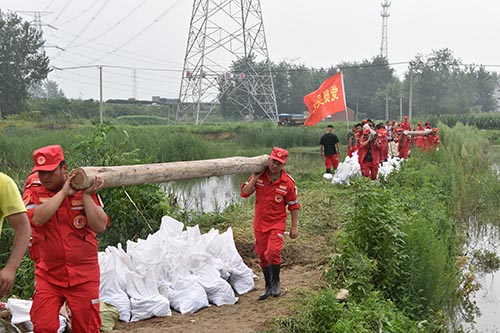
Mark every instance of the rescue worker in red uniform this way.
pixel 369 154
pixel 383 141
pixel 405 125
pixel 64 224
pixel 274 191
pixel 404 143
pixel 433 141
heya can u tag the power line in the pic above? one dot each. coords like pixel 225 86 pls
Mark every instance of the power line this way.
pixel 61 12
pixel 115 25
pixel 140 57
pixel 85 27
pixel 139 33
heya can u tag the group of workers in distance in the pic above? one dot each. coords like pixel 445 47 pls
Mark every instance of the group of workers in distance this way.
pixel 375 143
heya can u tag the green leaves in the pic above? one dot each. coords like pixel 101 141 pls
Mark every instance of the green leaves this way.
pixel 22 61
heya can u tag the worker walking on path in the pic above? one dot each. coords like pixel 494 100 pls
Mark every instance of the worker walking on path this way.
pixel 12 208
pixel 64 248
pixel 274 191
pixel 329 149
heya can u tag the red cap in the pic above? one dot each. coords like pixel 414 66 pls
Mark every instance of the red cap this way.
pixel 366 131
pixel 47 158
pixel 279 154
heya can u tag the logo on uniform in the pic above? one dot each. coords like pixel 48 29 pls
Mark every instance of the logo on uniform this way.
pixel 79 221
pixel 278 198
pixel 41 160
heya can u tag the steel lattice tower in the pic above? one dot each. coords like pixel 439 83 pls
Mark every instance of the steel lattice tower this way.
pixel 385 16
pixel 226 58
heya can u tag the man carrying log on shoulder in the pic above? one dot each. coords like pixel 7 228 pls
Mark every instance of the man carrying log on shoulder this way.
pixel 274 190
pixel 64 224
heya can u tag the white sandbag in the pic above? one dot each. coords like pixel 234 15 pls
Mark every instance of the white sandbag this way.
pixel 171 226
pixel 154 306
pixel 219 291
pixel 241 277
pixel 187 296
pixel 327 176
pixel 20 310
pixel 145 299
pixel 342 174
pixel 114 265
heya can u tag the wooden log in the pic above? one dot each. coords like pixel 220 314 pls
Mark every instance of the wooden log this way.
pixel 425 132
pixel 127 175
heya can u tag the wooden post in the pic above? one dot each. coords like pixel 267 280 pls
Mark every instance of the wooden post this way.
pixel 126 175
pixel 424 132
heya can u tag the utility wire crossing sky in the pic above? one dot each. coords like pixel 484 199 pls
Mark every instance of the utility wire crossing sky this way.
pixel 141 44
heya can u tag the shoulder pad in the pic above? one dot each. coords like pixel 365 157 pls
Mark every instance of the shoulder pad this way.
pixel 293 180
pixel 33 182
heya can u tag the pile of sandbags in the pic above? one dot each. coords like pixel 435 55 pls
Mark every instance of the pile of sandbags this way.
pixel 350 168
pixel 173 268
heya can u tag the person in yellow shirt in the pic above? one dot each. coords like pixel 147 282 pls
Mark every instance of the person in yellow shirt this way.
pixel 12 208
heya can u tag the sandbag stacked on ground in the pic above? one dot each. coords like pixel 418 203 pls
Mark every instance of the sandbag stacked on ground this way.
pixel 177 268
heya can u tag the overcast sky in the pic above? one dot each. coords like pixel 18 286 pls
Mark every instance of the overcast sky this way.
pixel 317 33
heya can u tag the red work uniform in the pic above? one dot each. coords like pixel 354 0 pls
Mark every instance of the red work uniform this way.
pixel 271 201
pixel 64 250
pixel 369 158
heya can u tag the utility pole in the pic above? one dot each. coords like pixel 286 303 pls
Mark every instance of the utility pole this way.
pixel 225 43
pixel 410 96
pixel 385 17
pixel 386 106
pixel 134 84
pixel 101 116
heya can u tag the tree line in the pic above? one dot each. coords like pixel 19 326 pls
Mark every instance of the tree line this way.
pixel 439 83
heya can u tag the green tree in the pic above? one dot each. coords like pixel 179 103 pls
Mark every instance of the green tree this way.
pixel 443 85
pixel 47 89
pixel 366 85
pixel 22 62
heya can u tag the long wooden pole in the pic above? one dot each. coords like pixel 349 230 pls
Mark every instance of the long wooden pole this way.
pixel 126 175
pixel 424 132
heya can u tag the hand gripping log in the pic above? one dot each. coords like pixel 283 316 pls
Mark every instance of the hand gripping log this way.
pixel 127 175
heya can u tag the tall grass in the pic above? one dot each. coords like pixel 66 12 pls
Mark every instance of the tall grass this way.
pixel 400 240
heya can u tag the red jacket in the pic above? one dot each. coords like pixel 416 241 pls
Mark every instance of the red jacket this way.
pixel 271 200
pixel 363 150
pixel 64 249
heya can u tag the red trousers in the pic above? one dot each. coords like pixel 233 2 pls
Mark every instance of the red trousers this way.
pixel 83 301
pixel 268 246
pixel 369 169
pixel 332 161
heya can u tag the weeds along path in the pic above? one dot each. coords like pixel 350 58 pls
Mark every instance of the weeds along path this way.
pixel 300 274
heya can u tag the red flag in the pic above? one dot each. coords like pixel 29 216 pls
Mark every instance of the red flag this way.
pixel 328 99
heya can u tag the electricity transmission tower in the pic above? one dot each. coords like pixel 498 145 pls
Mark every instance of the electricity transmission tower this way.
pixel 227 61
pixel 385 17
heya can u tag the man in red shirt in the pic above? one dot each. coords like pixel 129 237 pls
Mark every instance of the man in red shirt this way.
pixel 64 224
pixel 274 191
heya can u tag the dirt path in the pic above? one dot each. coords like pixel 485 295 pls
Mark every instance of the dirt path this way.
pixel 247 315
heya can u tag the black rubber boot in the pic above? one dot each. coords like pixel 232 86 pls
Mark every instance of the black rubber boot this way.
pixel 267 278
pixel 275 280
pixel 328 171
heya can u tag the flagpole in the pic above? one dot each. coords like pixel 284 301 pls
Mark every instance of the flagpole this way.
pixel 345 102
